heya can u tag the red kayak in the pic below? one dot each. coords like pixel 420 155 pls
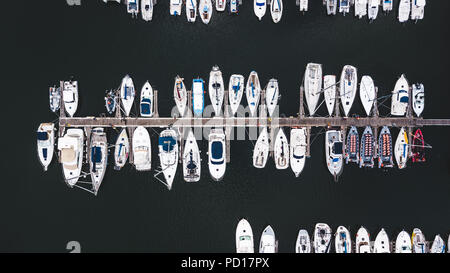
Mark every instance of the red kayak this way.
pixel 418 147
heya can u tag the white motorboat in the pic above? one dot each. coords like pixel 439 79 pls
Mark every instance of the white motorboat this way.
pixel 147 9
pixel 403 243
pixel 259 7
pixel 235 92
pixel 217 154
pixel 344 6
pixel 220 5
pixel 272 94
pixel 147 100
pixel 313 86
pixel 216 89
pixel 268 243
pixel 298 150
pixel 331 6
pixel 253 92
pixel 367 93
pixel 127 94
pixel 404 10
pixel 360 8
pixel 329 91
pixel 198 96
pixel 438 245
pixel 373 8
pixel 121 149
pixel 70 148
pixel 402 149
pixel 418 241
pixel 418 9
pixel 45 143
pixel 322 238
pixel 418 97
pixel 303 5
pixel 261 150
pixel 175 7
pixel 98 158
pixel 342 240
pixel 142 149
pixel 205 10
pixel 55 98
pixel 400 97
pixel 168 155
pixel 382 244
pixel 334 149
pixel 303 243
pixel 348 87
pixel 363 241
pixel 281 150
pixel 387 5
pixel 191 10
pixel 276 10
pixel 133 7
pixel 180 95
pixel 70 97
pixel 191 159
pixel 244 237
pixel 234 6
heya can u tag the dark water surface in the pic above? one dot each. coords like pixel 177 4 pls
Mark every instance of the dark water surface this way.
pixel 99 44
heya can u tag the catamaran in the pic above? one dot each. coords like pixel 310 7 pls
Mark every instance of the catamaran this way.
pixel 348 87
pixel 331 6
pixel 352 147
pixel 191 10
pixel 236 90
pixel 363 241
pixel 121 150
pixel 342 241
pixel 297 150
pixel 45 143
pixel 403 243
pixel 70 148
pixel 322 238
pixel 253 91
pixel 400 97
pixel 387 5
pixel 281 150
pixel 55 98
pixel 334 152
pixel 198 96
pixel 313 86
pixel 205 10
pixel 404 10
pixel 175 7
pixel 110 101
pixel 147 10
pixel 180 95
pixel 98 158
pixel 373 8
pixel 147 100
pixel 438 245
pixel 142 149
pixel 344 6
pixel 360 8
pixel 220 5
pixel 268 243
pixel 133 7
pixel 259 7
pixel 70 97
pixel 217 154
pixel 168 155
pixel 303 5
pixel 276 10
pixel 367 93
pixel 191 159
pixel 244 237
pixel 382 244
pixel 418 9
pixel 329 91
pixel 261 150
pixel 418 241
pixel 272 94
pixel 367 148
pixel 303 243
pixel 418 96
pixel 385 158
pixel 216 89
pixel 402 149
pixel 127 94
pixel 418 147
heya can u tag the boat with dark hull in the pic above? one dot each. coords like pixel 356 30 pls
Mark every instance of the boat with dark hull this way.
pixel 418 147
pixel 385 158
pixel 352 147
pixel 367 148
pixel 110 101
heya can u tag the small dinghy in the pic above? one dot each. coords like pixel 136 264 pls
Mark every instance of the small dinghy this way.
pixel 438 245
pixel 363 241
pixel 259 7
pixel 404 10
pixel 191 159
pixel 403 243
pixel 244 237
pixel 334 149
pixel 261 150
pixel 272 94
pixel 344 6
pixel 268 243
pixel 133 7
pixel 220 5
pixel 373 8
pixel 348 87
pixel 191 10
pixel 180 95
pixel 45 143
pixel 71 148
pixel 127 94
pixel 418 96
pixel 98 158
pixel 205 10
pixel 352 147
pixel 217 154
pixel 418 9
pixel 367 148
pixel 146 100
pixel 297 150
pixel 234 6
pixel 313 86
pixel 331 6
pixel 70 97
pixel 360 8
pixel 418 147
pixel 168 155
pixel 418 241
pixel 367 93
pixel 342 241
pixel 303 243
pixel 387 5
pixel 401 149
pixel 303 5
pixel 253 92
pixel 55 98
pixel 236 90
pixel 329 91
pixel 400 97
pixel 216 89
pixel 198 96
pixel 142 149
pixel 121 150
pixel 175 7
pixel 385 153
pixel 147 10
pixel 276 10
pixel 281 150
pixel 322 238
pixel 382 244
pixel 110 101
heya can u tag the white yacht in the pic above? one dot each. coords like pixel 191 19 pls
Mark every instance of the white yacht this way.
pixel 121 149
pixel 191 159
pixel 98 159
pixel 404 10
pixel 147 100
pixel 235 92
pixel 400 97
pixel 322 238
pixel 360 8
pixel 331 6
pixel 244 237
pixel 387 5
pixel 261 150
pixel 329 91
pixel 402 149
pixel 268 243
pixel 216 89
pixel 367 93
pixel 403 243
pixel 70 148
pixel 298 150
pixel 313 86
pixel 259 7
pixel 348 87
pixel 127 94
pixel 276 10
pixel 418 9
pixel 133 7
pixel 191 10
pixel 363 241
pixel 303 243
pixel 45 143
pixel 344 6
pixel 70 97
pixel 373 8
pixel 418 241
pixel 253 92
pixel 147 10
pixel 220 5
pixel 418 98
pixel 142 149
pixel 180 95
pixel 168 155
pixel 217 154
pixel 281 150
pixel 382 244
pixel 205 10
pixel 303 5
pixel 438 245
pixel 198 96
pixel 342 240
pixel 55 98
pixel 175 7
pixel 334 149
pixel 272 94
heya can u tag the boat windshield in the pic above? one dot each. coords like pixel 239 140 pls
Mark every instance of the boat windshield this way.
pixel 217 150
pixel 42 136
pixel 167 143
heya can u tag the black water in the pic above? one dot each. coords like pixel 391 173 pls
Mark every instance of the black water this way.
pixel 99 44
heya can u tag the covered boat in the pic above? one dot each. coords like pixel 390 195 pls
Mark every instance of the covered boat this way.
pixel 322 238
pixel 261 150
pixel 272 94
pixel 98 158
pixel 244 237
pixel 385 149
pixel 348 87
pixel 297 150
pixel 121 149
pixel 146 108
pixel 400 97
pixel 363 241
pixel 180 95
pixel 343 241
pixel 367 148
pixel 281 150
pixel 329 91
pixel 217 159
pixel 418 97
pixel 352 147
pixel 418 147
pixel 235 92
pixel 312 81
pixel 253 92
pixel 402 149
pixel 127 94
pixel 334 149
pixel 142 149
pixel 216 89
pixel 45 143
pixel 191 159
pixel 303 243
pixel 168 155
pixel 268 243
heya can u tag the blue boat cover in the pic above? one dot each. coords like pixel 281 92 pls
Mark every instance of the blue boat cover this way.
pixel 404 99
pixel 217 150
pixel 167 143
pixel 145 108
pixel 42 135
pixel 96 154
